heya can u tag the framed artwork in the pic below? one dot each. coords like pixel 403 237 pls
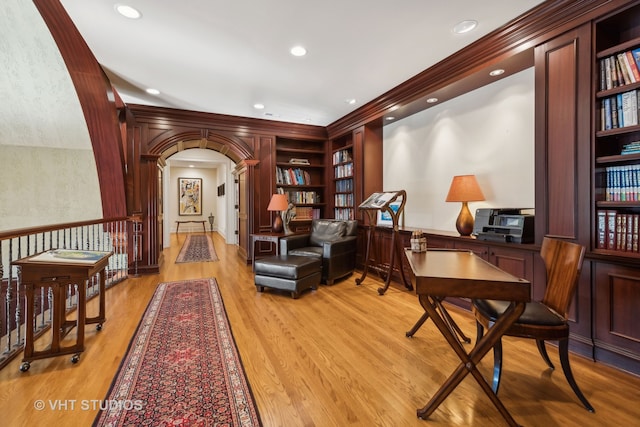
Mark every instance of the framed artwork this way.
pixel 384 218
pixel 221 190
pixel 190 196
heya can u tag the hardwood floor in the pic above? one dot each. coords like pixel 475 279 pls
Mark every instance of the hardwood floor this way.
pixel 337 356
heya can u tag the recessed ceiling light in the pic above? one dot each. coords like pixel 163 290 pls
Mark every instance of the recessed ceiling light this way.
pixel 258 106
pixel 432 100
pixel 465 26
pixel 350 101
pixel 128 11
pixel 191 166
pixel 496 72
pixel 298 51
pixel 389 118
pixel 152 91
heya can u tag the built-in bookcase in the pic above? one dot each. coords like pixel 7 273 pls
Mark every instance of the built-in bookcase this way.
pixel 343 178
pixel 300 174
pixel 617 134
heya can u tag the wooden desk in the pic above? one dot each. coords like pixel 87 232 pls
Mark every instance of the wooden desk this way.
pixel 54 270
pixel 440 274
pixel 264 237
pixel 195 222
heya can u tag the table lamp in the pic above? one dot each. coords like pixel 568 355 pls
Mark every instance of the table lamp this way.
pixel 464 188
pixel 277 204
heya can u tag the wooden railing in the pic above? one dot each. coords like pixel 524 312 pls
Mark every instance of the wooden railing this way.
pixel 99 235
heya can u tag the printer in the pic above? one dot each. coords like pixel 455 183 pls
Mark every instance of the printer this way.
pixel 504 225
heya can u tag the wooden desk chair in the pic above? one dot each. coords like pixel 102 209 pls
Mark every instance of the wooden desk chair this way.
pixel 546 319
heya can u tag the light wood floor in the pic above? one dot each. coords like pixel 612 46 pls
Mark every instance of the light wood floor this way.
pixel 337 356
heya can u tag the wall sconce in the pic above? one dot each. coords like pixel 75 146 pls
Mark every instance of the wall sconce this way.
pixel 464 188
pixel 277 204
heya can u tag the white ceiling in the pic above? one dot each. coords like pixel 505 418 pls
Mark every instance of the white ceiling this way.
pixel 225 56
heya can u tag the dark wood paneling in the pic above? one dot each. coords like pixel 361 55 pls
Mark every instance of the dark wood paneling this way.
pixel 616 316
pixel 562 136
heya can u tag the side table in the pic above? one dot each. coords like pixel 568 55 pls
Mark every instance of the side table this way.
pixel 264 237
pixel 55 270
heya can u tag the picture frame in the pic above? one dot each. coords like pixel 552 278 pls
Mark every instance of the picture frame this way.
pixel 221 190
pixel 189 196
pixel 384 218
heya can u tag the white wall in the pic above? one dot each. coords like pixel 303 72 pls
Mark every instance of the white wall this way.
pixel 48 173
pixel 488 132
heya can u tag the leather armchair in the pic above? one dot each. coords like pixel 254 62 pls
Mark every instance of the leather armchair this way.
pixel 334 241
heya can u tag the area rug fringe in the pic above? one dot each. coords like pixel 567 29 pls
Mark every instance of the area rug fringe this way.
pixel 197 248
pixel 182 367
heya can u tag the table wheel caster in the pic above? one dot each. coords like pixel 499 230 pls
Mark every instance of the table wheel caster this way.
pixel 24 367
pixel 75 358
pixel 99 327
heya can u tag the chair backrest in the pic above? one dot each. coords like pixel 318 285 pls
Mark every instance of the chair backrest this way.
pixel 563 261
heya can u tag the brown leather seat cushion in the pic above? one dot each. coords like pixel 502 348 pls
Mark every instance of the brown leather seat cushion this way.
pixel 535 313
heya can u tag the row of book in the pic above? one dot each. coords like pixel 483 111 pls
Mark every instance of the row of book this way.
pixel 622 183
pixel 631 148
pixel 343 200
pixel 303 197
pixel 343 214
pixel 620 69
pixel 620 110
pixel 342 156
pixel 304 213
pixel 344 186
pixel 292 176
pixel 618 231
pixel 343 171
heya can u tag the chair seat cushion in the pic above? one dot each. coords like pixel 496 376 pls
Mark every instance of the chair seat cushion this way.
pixel 535 313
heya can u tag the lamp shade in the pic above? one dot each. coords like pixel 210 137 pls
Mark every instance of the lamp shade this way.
pixel 464 188
pixel 278 202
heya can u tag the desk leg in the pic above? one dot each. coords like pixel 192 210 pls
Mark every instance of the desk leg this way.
pixel 470 360
pixel 451 324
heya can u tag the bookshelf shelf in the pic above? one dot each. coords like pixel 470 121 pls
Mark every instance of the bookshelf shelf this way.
pixel 617 130
pixel 300 171
pixel 343 178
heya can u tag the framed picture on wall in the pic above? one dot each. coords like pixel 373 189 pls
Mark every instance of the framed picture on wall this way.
pixel 190 196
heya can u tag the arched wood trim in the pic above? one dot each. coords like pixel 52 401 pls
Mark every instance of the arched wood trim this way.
pixel 174 142
pixel 97 101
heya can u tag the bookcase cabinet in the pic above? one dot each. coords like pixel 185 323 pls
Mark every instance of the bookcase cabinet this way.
pixel 617 134
pixel 343 178
pixel 301 175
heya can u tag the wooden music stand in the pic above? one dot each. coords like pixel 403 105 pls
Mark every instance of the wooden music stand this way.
pixel 391 202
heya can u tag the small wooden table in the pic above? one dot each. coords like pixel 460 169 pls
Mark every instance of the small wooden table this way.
pixel 264 237
pixel 55 270
pixel 195 222
pixel 440 274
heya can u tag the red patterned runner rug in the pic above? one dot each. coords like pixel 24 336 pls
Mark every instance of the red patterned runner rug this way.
pixel 182 367
pixel 197 248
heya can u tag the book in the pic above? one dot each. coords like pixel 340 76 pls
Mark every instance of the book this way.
pixel 611 229
pixel 70 256
pixel 602 229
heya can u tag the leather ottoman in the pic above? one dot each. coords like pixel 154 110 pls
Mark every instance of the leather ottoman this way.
pixel 294 273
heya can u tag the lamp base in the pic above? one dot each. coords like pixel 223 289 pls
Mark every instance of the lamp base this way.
pixel 464 223
pixel 277 225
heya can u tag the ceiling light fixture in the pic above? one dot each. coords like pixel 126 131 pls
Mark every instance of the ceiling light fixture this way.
pixel 389 118
pixel 298 51
pixel 465 26
pixel 350 101
pixel 432 100
pixel 258 106
pixel 496 72
pixel 128 11
pixel 152 91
